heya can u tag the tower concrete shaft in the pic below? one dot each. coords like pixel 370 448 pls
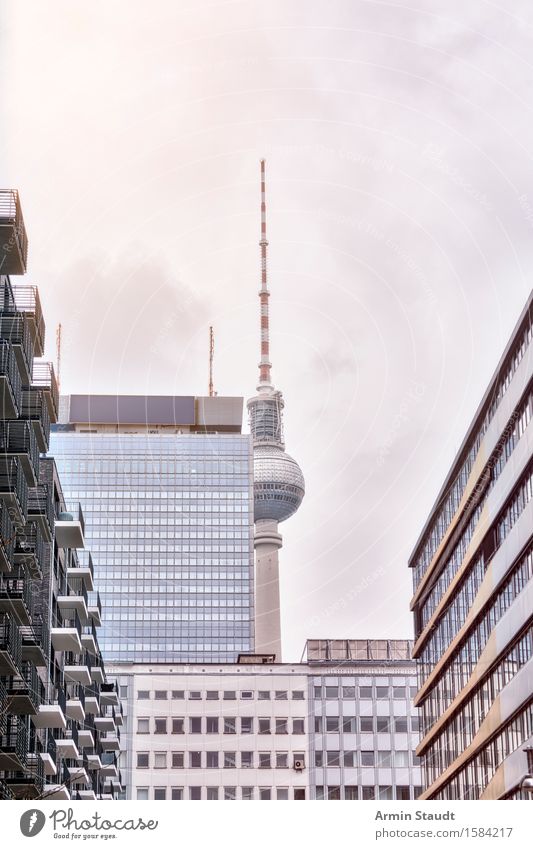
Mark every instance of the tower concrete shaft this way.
pixel 267 542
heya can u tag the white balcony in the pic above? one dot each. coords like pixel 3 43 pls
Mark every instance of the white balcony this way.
pixel 78 775
pixel 85 738
pixel 75 710
pixel 87 794
pixel 74 573
pixel 56 791
pixel 92 705
pixel 49 716
pixel 97 676
pixel 94 762
pixel 104 723
pixel 66 639
pixel 48 764
pixel 77 673
pixel 109 771
pixel 69 532
pixel 88 643
pixel 74 602
pixel 67 748
pixel 110 743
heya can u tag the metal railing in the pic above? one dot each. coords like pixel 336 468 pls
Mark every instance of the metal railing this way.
pixel 14 740
pixel 27 300
pixel 40 504
pixel 90 631
pixel 18 437
pixel 16 330
pixel 29 685
pixel 36 635
pixel 10 639
pixel 17 588
pixel 35 409
pixel 10 370
pixel 94 601
pixel 13 483
pixel 43 377
pixel 7 534
pixel 78 659
pixel 30 546
pixel 11 216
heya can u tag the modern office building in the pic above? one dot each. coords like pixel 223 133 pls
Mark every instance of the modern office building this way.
pixel 58 723
pixel 166 485
pixel 278 481
pixel 338 726
pixel 473 596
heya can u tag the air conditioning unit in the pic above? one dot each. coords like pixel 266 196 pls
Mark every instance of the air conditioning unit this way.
pixel 298 764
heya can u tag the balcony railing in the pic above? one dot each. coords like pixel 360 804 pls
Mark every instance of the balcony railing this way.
pixel 16 330
pixel 35 409
pixel 18 439
pixel 13 238
pixel 36 640
pixel 95 606
pixel 14 744
pixel 29 783
pixel 44 378
pixel 10 382
pixel 7 539
pixel 27 301
pixel 14 488
pixel 41 508
pixel 30 548
pixel 16 595
pixel 26 693
pixel 10 645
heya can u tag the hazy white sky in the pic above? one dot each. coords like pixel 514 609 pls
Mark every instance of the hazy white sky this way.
pixel 399 142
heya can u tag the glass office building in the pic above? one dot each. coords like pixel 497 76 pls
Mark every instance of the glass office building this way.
pixel 169 510
pixel 473 597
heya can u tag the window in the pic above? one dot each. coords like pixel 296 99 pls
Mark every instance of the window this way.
pixel 401 758
pixel 402 792
pixel 384 759
pixel 161 695
pixel 230 695
pixel 195 724
pixel 230 793
pixel 348 692
pixel 247 760
pixel 211 725
pixel 383 725
pixel 176 793
pixel 382 692
pixel 400 724
pixel 123 690
pixel 229 760
pixel 317 691
pixel 264 760
pixel 247 725
pixel 369 793
pixel 367 759
pixel 263 695
pixel 298 726
pixel 212 793
pixel 247 694
pixel 195 793
pixel 264 726
pixel 350 792
pixel 195 760
pixel 365 693
pixel 332 692
pixel 334 792
pixel 178 694
pixel 247 792
pixel 385 792
pixel 142 760
pixel 319 759
pixel 143 694
pixel 160 760
pixel 398 692
pixel 265 793
pixel 282 793
pixel 415 723
pixel 281 695
pixel 282 760
pixel 211 695
pixel 367 724
pixel 177 726
pixel 298 695
pixel 319 792
pixel 349 724
pixel 177 760
pixel 413 691
pixel 350 759
pixel 318 724
pixel 229 725
pixel 143 726
pixel 160 793
pixel 332 758
pixel 212 760
pixel 142 793
pixel 195 695
pixel 332 723
pixel 282 726
pixel 160 725
pixel 299 794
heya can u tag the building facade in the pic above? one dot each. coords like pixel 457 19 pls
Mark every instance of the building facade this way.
pixel 337 727
pixel 166 485
pixel 473 597
pixel 58 713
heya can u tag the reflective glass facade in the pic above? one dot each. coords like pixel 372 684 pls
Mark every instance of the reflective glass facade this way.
pixel 170 525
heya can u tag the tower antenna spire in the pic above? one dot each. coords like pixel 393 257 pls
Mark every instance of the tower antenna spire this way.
pixel 265 381
pixel 212 392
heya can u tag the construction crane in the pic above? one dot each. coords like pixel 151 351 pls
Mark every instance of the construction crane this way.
pixel 58 355
pixel 212 392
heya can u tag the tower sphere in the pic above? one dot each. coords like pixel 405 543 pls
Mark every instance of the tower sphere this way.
pixel 278 484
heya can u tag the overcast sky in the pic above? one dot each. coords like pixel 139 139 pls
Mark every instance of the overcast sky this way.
pixel 399 145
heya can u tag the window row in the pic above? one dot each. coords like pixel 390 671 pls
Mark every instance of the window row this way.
pixel 225 695
pixel 379 692
pixel 399 758
pixel 402 792
pixel 223 793
pixel 221 725
pixel 220 760
pixel 366 724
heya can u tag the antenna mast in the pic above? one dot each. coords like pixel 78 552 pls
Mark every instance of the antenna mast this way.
pixel 212 392
pixel 265 364
pixel 58 355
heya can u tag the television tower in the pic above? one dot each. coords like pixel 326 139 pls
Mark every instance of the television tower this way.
pixel 278 481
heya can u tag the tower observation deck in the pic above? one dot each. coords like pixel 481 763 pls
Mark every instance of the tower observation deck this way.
pixel 278 481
